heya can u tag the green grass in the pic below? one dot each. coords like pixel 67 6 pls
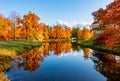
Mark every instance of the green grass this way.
pixel 90 44
pixel 18 46
pixel 57 40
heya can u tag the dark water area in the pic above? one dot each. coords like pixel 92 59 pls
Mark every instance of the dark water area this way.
pixel 64 62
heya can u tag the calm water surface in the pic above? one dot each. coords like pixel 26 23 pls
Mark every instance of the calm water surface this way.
pixel 64 62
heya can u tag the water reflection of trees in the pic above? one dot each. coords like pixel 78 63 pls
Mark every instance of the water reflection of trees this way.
pixel 5 63
pixel 108 65
pixel 31 59
pixel 75 47
pixel 87 52
pixel 58 48
pixel 46 48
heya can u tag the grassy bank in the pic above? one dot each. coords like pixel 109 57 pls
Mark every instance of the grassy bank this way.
pixel 90 44
pixel 11 48
pixel 57 40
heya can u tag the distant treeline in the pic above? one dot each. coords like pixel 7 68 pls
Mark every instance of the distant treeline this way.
pixel 29 28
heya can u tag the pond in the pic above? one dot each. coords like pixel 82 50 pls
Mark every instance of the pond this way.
pixel 64 62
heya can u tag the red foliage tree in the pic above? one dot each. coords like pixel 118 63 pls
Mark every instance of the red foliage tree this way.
pixel 107 24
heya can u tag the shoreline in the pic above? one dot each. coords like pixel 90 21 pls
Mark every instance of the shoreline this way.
pixel 104 49
pixel 10 49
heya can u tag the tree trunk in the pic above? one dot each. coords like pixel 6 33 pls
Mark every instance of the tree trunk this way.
pixel 14 32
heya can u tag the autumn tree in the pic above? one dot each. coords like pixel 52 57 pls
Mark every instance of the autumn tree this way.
pixel 68 32
pixel 30 23
pixel 4 28
pixel 18 28
pixel 50 32
pixel 57 32
pixel 109 37
pixel 107 25
pixel 86 35
pixel 107 17
pixel 79 33
pixel 112 17
pixel 74 32
pixel 46 32
pixel 39 34
pixel 98 19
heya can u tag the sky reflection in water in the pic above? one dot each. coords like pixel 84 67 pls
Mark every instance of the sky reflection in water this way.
pixel 61 62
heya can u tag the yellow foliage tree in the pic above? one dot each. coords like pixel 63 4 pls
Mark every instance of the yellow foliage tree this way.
pixel 79 33
pixel 86 52
pixel 91 34
pixel 86 34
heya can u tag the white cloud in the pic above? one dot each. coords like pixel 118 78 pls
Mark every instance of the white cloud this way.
pixel 73 24
pixel 45 23
pixel 62 23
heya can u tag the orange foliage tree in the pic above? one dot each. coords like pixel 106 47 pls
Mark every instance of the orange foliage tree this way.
pixel 46 32
pixel 30 29
pixel 106 22
pixel 4 28
pixel 68 32
pixel 30 23
pixel 57 32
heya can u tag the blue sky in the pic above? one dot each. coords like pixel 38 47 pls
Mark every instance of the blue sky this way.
pixel 51 11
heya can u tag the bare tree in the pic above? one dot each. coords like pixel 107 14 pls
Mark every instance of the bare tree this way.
pixel 13 17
